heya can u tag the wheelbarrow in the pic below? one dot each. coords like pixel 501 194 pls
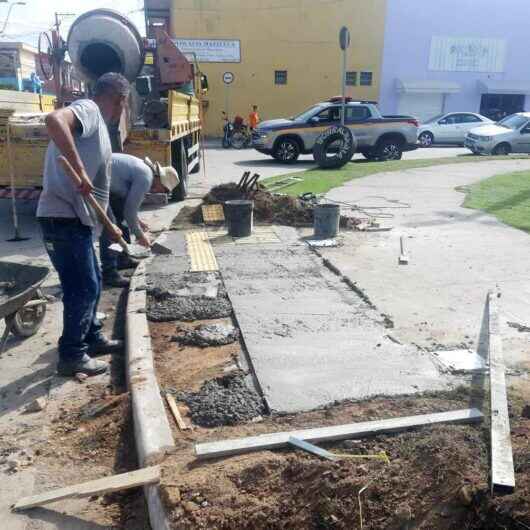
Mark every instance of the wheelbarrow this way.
pixel 22 304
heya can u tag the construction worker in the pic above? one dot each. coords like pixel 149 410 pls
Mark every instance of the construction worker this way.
pixel 79 133
pixel 253 118
pixel 131 179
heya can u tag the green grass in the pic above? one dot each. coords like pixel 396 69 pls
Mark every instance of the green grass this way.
pixel 319 181
pixel 507 197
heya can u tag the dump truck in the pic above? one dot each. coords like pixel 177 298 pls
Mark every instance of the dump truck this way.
pixel 163 121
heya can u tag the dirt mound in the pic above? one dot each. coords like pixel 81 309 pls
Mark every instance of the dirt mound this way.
pixel 436 480
pixel 268 208
pixel 223 401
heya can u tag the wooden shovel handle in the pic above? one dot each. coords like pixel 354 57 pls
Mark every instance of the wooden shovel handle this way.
pixel 100 212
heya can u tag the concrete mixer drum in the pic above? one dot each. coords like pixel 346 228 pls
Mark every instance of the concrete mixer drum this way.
pixel 102 41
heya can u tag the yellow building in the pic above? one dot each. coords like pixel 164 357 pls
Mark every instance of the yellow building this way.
pixel 283 55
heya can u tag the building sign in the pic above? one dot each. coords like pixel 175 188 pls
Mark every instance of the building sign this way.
pixel 458 54
pixel 211 50
pixel 8 63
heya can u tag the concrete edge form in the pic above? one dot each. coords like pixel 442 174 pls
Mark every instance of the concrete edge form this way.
pixel 152 430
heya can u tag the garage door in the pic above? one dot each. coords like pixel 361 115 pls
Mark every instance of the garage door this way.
pixel 421 106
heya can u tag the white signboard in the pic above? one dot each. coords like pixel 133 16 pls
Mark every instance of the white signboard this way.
pixel 211 50
pixel 460 54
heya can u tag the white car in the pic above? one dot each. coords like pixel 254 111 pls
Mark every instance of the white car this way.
pixel 449 128
pixel 510 135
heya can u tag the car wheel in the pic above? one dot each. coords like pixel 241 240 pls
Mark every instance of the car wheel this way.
pixel 502 150
pixel 181 191
pixel 287 150
pixel 426 139
pixel 390 149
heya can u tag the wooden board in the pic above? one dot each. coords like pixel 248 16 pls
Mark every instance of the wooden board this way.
pixel 502 471
pixel 176 413
pixel 338 432
pixel 125 481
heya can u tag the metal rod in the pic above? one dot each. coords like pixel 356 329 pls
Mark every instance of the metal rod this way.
pixel 343 116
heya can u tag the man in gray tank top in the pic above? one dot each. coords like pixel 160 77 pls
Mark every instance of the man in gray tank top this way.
pixel 79 133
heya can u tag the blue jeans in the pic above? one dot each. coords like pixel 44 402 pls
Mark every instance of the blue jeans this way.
pixel 70 246
pixel 109 258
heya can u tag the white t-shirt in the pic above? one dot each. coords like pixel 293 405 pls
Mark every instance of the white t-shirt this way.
pixel 59 197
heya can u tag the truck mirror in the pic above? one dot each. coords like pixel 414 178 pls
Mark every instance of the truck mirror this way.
pixel 204 83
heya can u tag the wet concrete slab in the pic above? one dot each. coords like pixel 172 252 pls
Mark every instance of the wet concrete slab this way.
pixel 310 338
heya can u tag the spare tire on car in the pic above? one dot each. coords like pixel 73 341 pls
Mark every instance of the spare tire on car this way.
pixel 334 148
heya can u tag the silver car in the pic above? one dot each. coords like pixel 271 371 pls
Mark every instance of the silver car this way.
pixel 510 135
pixel 449 128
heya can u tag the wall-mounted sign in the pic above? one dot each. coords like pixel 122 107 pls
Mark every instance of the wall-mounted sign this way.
pixel 228 78
pixel 460 54
pixel 211 50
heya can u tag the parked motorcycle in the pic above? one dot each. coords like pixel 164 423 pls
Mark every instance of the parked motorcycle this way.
pixel 236 134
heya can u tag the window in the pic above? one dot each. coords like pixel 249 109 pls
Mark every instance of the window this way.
pixel 355 113
pixel 280 77
pixel 448 120
pixel 351 78
pixel 330 115
pixel 466 118
pixel 366 78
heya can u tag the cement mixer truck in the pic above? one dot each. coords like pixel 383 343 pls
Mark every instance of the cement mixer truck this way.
pixel 163 120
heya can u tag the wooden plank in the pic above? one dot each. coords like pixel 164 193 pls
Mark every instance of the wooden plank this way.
pixel 403 257
pixel 125 481
pixel 502 471
pixel 183 426
pixel 338 432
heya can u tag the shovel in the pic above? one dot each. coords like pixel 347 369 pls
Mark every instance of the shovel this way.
pixel 121 245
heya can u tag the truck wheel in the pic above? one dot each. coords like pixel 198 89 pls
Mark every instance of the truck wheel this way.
pixel 334 148
pixel 390 149
pixel 181 191
pixel 287 150
pixel 426 139
pixel 197 167
pixel 502 149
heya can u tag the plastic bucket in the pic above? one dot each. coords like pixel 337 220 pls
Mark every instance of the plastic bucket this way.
pixel 327 218
pixel 239 217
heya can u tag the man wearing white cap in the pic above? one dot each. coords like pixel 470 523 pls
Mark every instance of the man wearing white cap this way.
pixel 131 179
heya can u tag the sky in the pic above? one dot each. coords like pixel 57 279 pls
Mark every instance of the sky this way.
pixel 26 22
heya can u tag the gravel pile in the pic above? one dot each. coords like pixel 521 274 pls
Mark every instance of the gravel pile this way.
pixel 226 400
pixel 208 335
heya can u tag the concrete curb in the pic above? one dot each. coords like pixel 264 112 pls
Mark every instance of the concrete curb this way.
pixel 152 431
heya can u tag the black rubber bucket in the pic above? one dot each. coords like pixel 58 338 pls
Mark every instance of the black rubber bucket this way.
pixel 327 219
pixel 239 217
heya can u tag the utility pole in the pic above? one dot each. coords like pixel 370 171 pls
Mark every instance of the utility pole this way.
pixel 344 41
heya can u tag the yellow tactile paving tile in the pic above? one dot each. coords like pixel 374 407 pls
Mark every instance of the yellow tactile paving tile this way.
pixel 201 252
pixel 213 213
